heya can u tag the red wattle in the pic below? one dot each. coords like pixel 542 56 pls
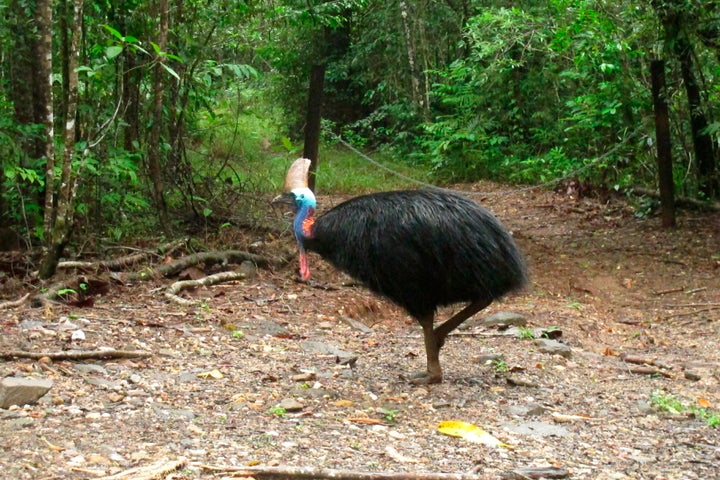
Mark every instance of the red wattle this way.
pixel 304 268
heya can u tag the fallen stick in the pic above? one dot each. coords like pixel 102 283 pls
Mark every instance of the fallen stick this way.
pixel 297 473
pixel 14 303
pixel 177 287
pixel 149 472
pixel 77 354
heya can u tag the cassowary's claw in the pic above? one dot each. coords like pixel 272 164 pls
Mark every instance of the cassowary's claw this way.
pixel 425 378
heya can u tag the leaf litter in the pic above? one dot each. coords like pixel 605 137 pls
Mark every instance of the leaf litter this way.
pixel 612 284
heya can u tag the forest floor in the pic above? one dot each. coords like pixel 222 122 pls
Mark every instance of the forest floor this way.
pixel 252 376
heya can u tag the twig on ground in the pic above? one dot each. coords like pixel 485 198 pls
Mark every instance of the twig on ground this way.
pixel 77 354
pixel 297 473
pixel 177 287
pixel 14 303
pixel 149 472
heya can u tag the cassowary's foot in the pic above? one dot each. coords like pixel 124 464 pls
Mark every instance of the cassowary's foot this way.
pixel 425 378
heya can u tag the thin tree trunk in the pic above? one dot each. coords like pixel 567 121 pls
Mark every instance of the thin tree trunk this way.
pixel 154 158
pixel 412 62
pixel 314 115
pixel 44 105
pixel 672 15
pixel 662 136
pixel 59 235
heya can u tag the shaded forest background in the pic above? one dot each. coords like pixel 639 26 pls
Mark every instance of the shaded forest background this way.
pixel 124 119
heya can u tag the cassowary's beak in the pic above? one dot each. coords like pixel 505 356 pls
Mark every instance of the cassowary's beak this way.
pixel 284 199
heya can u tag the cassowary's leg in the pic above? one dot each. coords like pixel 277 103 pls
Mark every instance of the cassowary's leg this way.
pixel 432 351
pixel 442 331
pixel 435 339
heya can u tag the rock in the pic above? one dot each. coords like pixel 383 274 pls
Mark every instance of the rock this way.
pixel 542 472
pixel 89 368
pixel 485 358
pixel 505 318
pixel 690 375
pixel 529 410
pixel 290 405
pixel 552 347
pixel 266 327
pixel 321 348
pixel 537 429
pixel 22 391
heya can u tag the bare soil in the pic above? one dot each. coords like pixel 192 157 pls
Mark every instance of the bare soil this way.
pixel 617 288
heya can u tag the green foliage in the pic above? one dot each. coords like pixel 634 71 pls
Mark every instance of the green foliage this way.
pixel 668 403
pixel 526 333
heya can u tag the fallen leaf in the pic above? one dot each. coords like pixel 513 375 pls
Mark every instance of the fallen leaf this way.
pixel 342 403
pixel 469 432
pixel 52 446
pixel 704 403
pixel 563 418
pixel 397 456
pixel 609 352
pixel 216 374
pixel 366 420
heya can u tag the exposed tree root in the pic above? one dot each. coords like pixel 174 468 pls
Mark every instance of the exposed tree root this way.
pixel 153 471
pixel 689 203
pixel 177 287
pixel 14 303
pixel 102 354
pixel 297 473
pixel 79 290
pixel 121 263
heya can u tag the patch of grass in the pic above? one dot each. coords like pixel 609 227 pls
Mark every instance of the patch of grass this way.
pixel 668 403
pixel 389 414
pixel 500 366
pixel 278 411
pixel 525 333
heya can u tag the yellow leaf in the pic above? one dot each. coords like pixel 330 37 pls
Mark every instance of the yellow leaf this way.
pixel 216 374
pixel 469 432
pixel 342 403
pixel 704 403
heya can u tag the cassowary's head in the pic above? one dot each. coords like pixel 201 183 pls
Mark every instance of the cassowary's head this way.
pixel 302 199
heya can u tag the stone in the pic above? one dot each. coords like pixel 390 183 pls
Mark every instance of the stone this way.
pixel 537 429
pixel 22 391
pixel 321 348
pixel 552 347
pixel 529 410
pixel 290 405
pixel 504 318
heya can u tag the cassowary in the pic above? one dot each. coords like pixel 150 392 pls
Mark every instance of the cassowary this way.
pixel 419 248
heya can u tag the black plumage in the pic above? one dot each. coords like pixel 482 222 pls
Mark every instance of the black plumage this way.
pixel 419 248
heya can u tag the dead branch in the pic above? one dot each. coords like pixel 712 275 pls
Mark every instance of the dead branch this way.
pixel 102 354
pixel 149 472
pixel 297 473
pixel 177 287
pixel 208 258
pixel 123 262
pixel 81 286
pixel 14 303
pixel 684 202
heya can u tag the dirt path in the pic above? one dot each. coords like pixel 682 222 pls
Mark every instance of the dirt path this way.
pixel 612 284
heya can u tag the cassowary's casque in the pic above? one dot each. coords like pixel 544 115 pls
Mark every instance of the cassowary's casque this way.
pixel 419 248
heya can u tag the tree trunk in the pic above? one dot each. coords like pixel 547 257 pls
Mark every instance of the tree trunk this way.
pixel 702 142
pixel 313 117
pixel 43 105
pixel 416 95
pixel 62 222
pixel 672 17
pixel 154 157
pixel 662 136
